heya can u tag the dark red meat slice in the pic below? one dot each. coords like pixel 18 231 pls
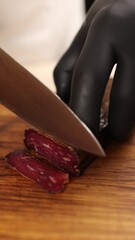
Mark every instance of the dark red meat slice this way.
pixel 58 154
pixel 49 178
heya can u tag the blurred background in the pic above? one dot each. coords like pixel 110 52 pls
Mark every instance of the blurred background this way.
pixel 37 32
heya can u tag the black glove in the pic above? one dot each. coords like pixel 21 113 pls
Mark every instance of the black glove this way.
pixel 106 37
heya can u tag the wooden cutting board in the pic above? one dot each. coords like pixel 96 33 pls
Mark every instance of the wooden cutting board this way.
pixel 98 205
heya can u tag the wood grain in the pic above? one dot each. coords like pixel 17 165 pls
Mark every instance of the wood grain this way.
pixel 100 205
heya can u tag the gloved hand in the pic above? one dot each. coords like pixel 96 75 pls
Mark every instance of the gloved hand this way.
pixel 106 37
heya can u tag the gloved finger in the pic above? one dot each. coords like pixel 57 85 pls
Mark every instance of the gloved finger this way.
pixel 91 75
pixel 64 69
pixel 122 101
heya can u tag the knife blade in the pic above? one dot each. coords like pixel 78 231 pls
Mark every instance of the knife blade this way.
pixel 31 100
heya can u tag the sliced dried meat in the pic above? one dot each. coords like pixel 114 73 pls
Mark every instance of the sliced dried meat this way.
pixel 55 153
pixel 58 154
pixel 49 178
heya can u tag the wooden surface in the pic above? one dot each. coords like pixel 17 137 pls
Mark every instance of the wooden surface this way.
pixel 98 205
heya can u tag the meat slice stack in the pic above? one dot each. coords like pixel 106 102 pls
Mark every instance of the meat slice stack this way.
pixel 48 162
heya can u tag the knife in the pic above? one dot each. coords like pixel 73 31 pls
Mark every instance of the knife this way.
pixel 31 100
